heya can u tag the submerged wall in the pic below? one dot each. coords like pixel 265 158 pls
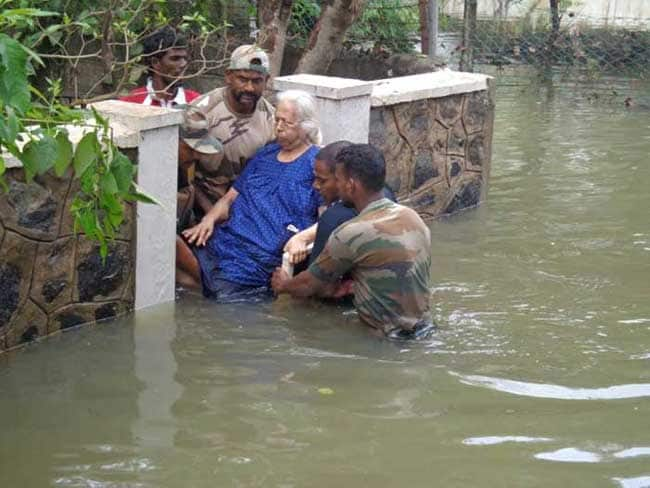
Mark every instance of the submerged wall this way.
pixel 52 279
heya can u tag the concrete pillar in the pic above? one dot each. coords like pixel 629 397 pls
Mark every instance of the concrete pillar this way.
pixel 154 132
pixel 343 104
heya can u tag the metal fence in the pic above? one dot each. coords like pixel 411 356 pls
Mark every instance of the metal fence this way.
pixel 504 35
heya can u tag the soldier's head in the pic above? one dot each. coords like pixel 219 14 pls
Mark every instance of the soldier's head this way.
pixel 325 171
pixel 246 77
pixel 360 173
pixel 166 55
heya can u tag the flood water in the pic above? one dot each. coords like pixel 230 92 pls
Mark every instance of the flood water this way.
pixel 539 375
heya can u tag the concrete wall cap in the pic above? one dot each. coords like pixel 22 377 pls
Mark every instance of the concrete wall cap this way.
pixel 138 117
pixel 438 84
pixel 324 86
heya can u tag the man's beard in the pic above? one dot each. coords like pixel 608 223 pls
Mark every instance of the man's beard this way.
pixel 250 97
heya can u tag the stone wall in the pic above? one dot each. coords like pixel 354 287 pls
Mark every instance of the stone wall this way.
pixel 437 148
pixel 50 278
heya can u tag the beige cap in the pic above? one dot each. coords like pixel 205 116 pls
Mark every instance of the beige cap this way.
pixel 249 57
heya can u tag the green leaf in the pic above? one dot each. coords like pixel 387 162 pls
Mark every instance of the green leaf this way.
pixel 86 153
pixel 141 196
pixel 108 184
pixel 112 205
pixel 14 88
pixel 85 219
pixel 39 155
pixel 3 183
pixel 123 170
pixel 63 154
pixel 9 126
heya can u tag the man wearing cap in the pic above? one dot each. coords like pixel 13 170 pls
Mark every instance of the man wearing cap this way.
pixel 238 116
pixel 166 56
pixel 196 149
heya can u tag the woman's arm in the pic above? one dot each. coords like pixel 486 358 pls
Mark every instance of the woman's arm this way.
pixel 200 233
pixel 298 244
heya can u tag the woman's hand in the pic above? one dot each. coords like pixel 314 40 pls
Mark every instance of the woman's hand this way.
pixel 297 248
pixel 201 232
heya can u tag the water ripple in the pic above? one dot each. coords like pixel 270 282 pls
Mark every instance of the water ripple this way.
pixel 501 439
pixel 545 390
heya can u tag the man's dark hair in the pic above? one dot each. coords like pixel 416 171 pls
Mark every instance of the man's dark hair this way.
pixel 328 153
pixel 364 163
pixel 157 43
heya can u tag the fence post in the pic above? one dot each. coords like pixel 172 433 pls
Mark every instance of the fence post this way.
pixel 469 31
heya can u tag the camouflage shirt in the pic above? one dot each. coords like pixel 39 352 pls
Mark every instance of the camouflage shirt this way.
pixel 241 135
pixel 387 250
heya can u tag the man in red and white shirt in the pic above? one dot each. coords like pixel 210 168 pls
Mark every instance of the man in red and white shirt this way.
pixel 165 52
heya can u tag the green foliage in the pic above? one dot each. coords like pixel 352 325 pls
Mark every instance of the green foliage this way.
pixel 304 15
pixel 33 130
pixel 389 24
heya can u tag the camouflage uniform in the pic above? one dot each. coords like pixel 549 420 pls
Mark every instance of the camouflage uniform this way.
pixel 241 135
pixel 387 250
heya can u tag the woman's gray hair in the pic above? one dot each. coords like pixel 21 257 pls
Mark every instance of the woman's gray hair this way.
pixel 306 111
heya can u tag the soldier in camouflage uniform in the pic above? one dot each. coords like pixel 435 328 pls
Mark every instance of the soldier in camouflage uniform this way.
pixel 386 250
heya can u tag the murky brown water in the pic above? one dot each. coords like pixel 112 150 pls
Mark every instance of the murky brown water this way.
pixel 539 376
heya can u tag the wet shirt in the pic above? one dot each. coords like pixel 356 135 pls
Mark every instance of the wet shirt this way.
pixel 387 250
pixel 241 135
pixel 272 196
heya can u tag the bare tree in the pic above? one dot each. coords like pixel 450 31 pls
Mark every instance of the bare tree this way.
pixel 327 37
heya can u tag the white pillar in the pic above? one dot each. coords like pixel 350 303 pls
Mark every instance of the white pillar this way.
pixel 343 104
pixel 154 131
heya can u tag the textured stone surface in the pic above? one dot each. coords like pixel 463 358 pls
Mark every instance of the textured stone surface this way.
pixel 437 150
pixel 477 109
pixel 398 154
pixel 34 210
pixel 449 110
pixel 16 268
pixel 97 280
pixel 29 323
pixel 54 274
pixel 457 140
pixel 2 230
pixel 82 313
pixel 430 199
pixel 466 194
pixel 476 153
pixel 455 165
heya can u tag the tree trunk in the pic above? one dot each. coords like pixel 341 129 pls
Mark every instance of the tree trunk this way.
pixel 327 37
pixel 555 32
pixel 274 18
pixel 424 26
pixel 469 31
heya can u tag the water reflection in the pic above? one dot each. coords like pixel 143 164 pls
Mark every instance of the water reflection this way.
pixel 638 482
pixel 494 440
pixel 541 390
pixel 570 455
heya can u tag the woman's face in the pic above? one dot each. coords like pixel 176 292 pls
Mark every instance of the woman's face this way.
pixel 287 128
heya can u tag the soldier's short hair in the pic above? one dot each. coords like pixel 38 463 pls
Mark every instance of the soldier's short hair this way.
pixel 156 44
pixel 328 153
pixel 364 163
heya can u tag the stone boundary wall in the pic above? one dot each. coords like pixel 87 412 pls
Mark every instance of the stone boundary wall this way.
pixel 50 278
pixel 437 140
pixel 435 130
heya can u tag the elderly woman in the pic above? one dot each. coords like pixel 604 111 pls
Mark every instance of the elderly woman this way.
pixel 271 199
